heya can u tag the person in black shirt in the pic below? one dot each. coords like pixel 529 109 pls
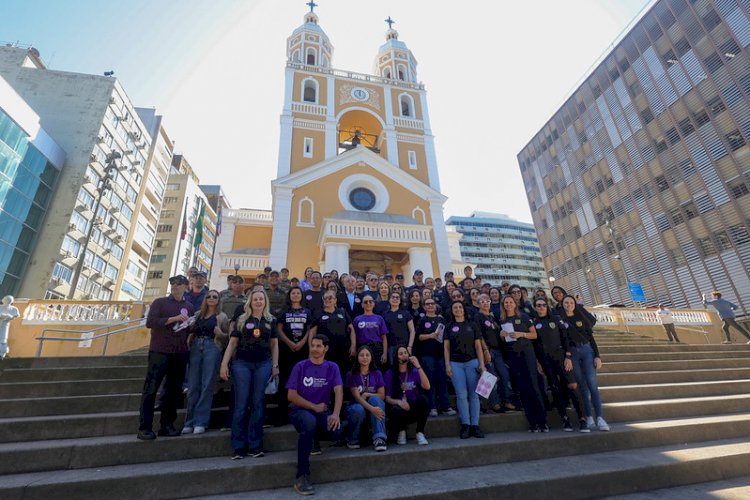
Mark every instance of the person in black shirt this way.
pixel 293 331
pixel 414 305
pixel 400 326
pixel 257 348
pixel 523 306
pixel 472 304
pixel 348 299
pixel 464 364
pixel 382 301
pixel 336 324
pixel 518 332
pixel 428 347
pixel 492 346
pixel 312 299
pixel 586 360
pixel 556 363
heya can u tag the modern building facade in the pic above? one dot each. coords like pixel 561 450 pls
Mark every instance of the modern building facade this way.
pixel 103 243
pixel 500 249
pixel 186 233
pixel 643 175
pixel 357 184
pixel 30 164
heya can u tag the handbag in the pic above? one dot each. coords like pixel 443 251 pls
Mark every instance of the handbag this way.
pixel 273 385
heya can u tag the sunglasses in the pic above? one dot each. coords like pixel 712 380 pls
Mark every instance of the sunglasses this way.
pixel 212 296
pixel 329 298
pixel 540 305
pixel 429 303
pixel 368 301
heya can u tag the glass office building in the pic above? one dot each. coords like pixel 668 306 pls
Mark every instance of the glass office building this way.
pixel 501 248
pixel 643 175
pixel 27 181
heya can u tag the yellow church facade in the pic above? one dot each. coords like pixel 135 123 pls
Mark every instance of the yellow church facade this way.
pixel 357 184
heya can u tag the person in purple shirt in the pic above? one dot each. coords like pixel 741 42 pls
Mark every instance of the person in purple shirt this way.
pixel 367 389
pixel 309 391
pixel 167 358
pixel 371 330
pixel 404 402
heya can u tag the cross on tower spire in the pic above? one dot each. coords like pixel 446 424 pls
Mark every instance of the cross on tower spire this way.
pixel 390 22
pixel 312 5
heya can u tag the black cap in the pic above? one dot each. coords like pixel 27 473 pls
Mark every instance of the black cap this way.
pixel 179 280
pixel 201 273
pixel 399 275
pixel 388 275
pixel 418 271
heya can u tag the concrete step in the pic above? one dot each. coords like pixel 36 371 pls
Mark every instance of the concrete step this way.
pixel 669 365
pixel 584 476
pixel 97 452
pixel 512 459
pixel 671 376
pixel 71 373
pixel 656 348
pixel 73 361
pixel 621 393
pixel 60 388
pixel 673 356
pixel 729 489
pixel 69 405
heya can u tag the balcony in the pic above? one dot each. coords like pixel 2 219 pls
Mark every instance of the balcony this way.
pixel 260 217
pixel 408 123
pixel 309 108
pixel 351 75
pixel 244 262
pixel 373 231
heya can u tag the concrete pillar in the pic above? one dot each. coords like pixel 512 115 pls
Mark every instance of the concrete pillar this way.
pixel 337 257
pixel 420 258
pixel 282 214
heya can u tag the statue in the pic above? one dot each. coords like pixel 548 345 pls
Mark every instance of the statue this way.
pixel 8 312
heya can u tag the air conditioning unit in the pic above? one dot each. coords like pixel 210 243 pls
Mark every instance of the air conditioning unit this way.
pixel 98 221
pixel 54 280
pixel 117 239
pixel 86 296
pixel 114 210
pixel 137 162
pixel 67 254
pixel 129 151
pixel 92 157
pixel 134 135
pixel 106 251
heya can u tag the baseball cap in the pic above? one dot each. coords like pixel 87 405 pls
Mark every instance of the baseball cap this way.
pixel 180 279
pixel 201 273
pixel 399 275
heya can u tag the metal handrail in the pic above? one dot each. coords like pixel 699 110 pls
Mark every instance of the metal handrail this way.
pixel 140 322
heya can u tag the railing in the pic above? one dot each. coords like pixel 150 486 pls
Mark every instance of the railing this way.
pixel 408 123
pixel 694 320
pixel 245 262
pixel 249 214
pixel 87 336
pixel 309 108
pixel 356 230
pixel 76 312
pixel 356 76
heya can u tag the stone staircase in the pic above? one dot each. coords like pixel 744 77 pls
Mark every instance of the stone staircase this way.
pixel 680 417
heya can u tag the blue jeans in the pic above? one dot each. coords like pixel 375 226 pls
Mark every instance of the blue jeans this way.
pixel 307 423
pixel 502 391
pixel 434 368
pixel 465 379
pixel 583 367
pixel 250 380
pixel 203 368
pixel 355 415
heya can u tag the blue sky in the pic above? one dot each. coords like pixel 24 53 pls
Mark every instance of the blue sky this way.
pixel 494 71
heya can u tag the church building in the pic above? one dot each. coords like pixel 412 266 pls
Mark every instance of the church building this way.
pixel 357 185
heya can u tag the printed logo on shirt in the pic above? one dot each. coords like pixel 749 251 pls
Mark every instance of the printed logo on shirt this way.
pixel 518 322
pixel 325 317
pixel 356 299
pixel 552 325
pixel 314 382
pixel 250 326
pixel 538 326
pixel 309 297
pixel 256 333
pixel 400 316
pixel 341 316
pixel 455 328
pixel 307 381
pixel 427 324
pixel 361 324
pixel 579 324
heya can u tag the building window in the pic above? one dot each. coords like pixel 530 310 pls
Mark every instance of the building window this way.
pixel 735 140
pixel 401 70
pixel 164 228
pixel 155 275
pixel 387 73
pixel 737 187
pixel 173 187
pixel 161 243
pixel 295 56
pixel 310 58
pixel 305 212
pixel 419 215
pixel 362 199
pixel 413 160
pixel 407 105
pixel 307 150
pixel 61 272
pixel 156 259
pixel 310 90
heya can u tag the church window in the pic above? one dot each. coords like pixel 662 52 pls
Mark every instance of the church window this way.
pixel 419 215
pixel 307 150
pixel 413 160
pixel 305 212
pixel 362 198
pixel 401 72
pixel 407 105
pixel 310 59
pixel 295 56
pixel 387 72
pixel 310 90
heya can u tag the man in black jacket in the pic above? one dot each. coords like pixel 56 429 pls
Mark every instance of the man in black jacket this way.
pixel 349 299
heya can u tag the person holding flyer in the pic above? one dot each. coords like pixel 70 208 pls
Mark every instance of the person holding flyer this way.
pixel 429 350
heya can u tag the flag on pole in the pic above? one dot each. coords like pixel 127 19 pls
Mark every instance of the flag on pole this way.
pixel 199 227
pixel 183 232
pixel 218 222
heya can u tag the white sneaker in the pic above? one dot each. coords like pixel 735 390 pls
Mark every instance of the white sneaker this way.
pixel 401 438
pixel 590 422
pixel 602 424
pixel 450 412
pixel 187 430
pixel 421 440
pixel 433 413
pixel 199 430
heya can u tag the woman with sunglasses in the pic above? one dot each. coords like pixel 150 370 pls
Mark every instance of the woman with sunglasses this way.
pixel 586 360
pixel 556 362
pixel 428 347
pixel 205 341
pixel 518 332
pixel 464 363
pixel 256 346
pixel 382 301
pixel 370 330
pixel 473 301
pixel 293 325
pixel 336 324
pixel 492 347
pixel 400 325
pixel 523 305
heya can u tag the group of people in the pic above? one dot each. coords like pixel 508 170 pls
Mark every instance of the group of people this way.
pixel 368 350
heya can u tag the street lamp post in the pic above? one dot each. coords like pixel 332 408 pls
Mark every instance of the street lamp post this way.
pixel 105 184
pixel 618 255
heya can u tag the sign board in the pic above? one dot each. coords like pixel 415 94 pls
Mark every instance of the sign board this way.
pixel 636 292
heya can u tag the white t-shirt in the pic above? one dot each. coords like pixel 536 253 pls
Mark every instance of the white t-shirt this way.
pixel 665 316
